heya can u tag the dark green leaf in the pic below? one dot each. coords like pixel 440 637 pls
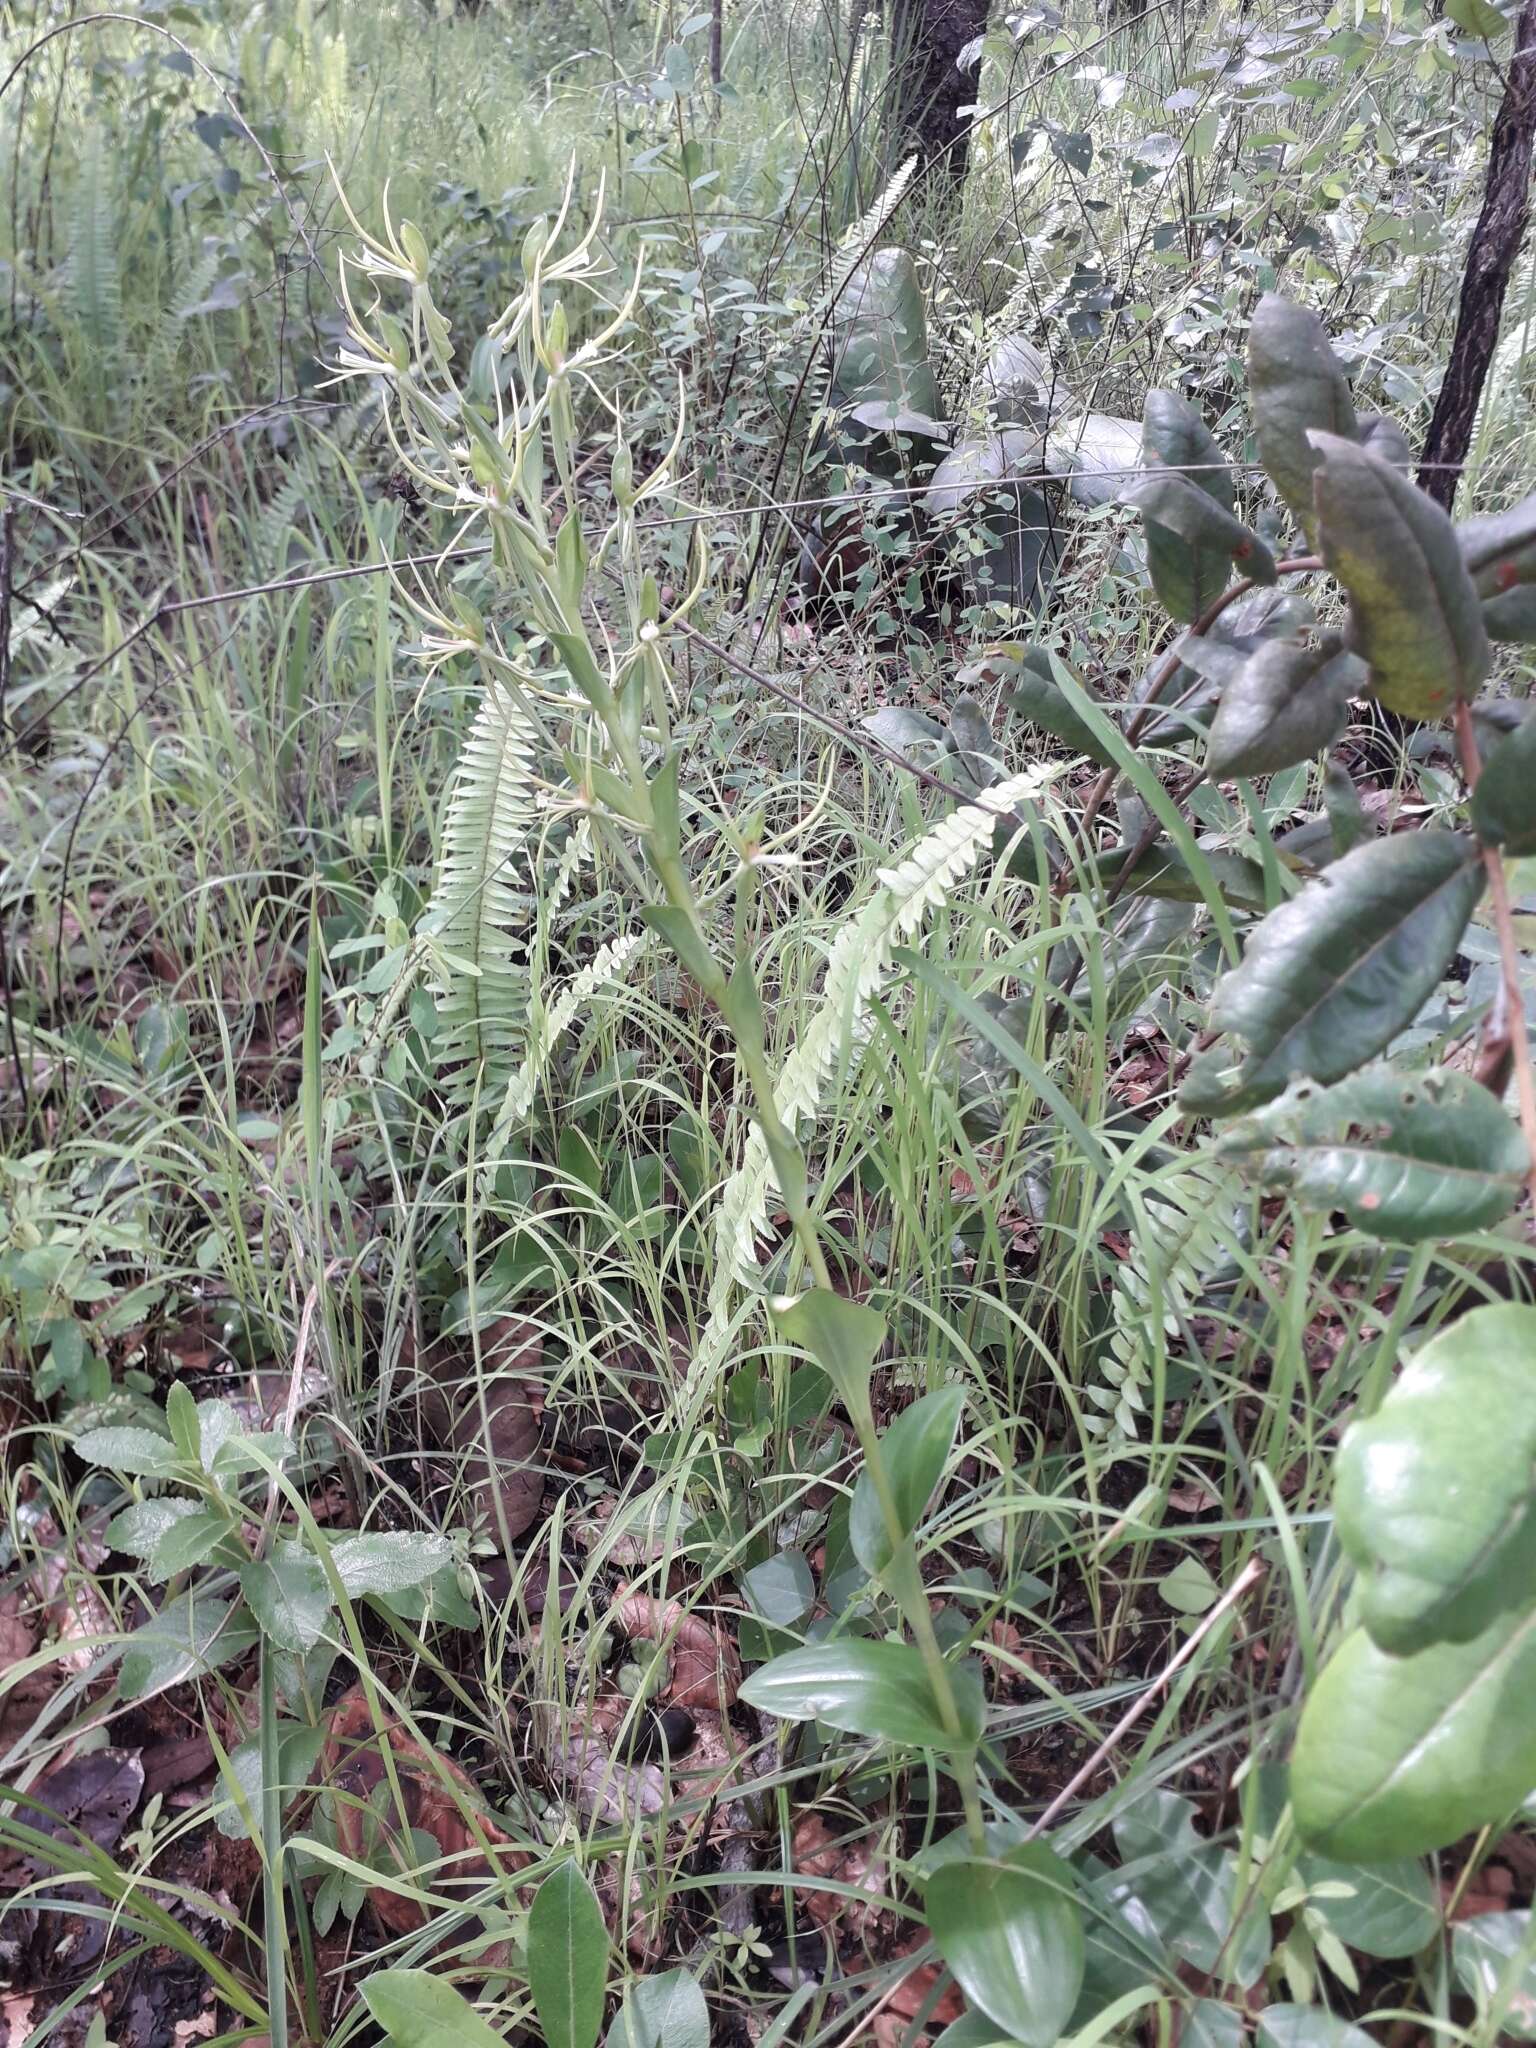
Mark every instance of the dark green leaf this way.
pixel 1435 1494
pixel 781 1588
pixel 1405 1156
pixel 1484 1951
pixel 1188 1890
pixel 913 1451
pixel 418 2010
pixel 1296 384
pixel 1173 436
pixel 1396 1756
pixel 1192 542
pixel 1385 438
pixel 1414 615
pixel 880 341
pixel 1333 975
pixel 1286 705
pixel 567 1959
pixel 1393 1909
pixel 1028 674
pixel 289 1595
pixel 1504 801
pixel 1163 872
pixel 1500 548
pixel 1011 1931
pixel 868 1688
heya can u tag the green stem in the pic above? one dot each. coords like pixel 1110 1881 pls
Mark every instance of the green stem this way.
pixel 274 1920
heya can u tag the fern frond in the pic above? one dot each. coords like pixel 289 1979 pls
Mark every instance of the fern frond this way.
pixel 606 965
pixel 477 924
pixel 95 282
pixel 907 895
pixel 1183 1231
pixel 860 240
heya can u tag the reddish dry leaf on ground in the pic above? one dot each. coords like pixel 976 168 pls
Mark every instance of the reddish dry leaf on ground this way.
pixel 440 1800
pixel 703 1667
pixel 828 1856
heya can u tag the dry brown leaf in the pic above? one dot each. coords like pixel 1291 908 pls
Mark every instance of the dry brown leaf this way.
pixel 820 1853
pixel 906 2000
pixel 703 1667
pixel 503 1462
pixel 440 1799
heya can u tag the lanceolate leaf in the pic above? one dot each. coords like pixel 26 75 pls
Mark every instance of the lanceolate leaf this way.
pixel 1186 573
pixel 913 1450
pixel 567 1959
pixel 868 1688
pixel 1028 674
pixel 1192 543
pixel 1286 704
pixel 1414 614
pixel 1011 1931
pixel 1396 1756
pixel 1385 438
pixel 1296 384
pixel 1435 1494
pixel 1504 801
pixel 1405 1156
pixel 1334 974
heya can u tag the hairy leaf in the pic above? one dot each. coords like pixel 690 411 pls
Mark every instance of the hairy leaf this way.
pixel 1435 1494
pixel 1296 385
pixel 1414 614
pixel 1396 1756
pixel 1286 704
pixel 1405 1156
pixel 289 1595
pixel 1334 974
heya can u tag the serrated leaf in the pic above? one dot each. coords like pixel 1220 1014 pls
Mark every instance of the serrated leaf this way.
pixel 1286 704
pixel 1405 1156
pixel 418 2010
pixel 914 1451
pixel 289 1595
pixel 868 1688
pixel 143 1525
pixel 1193 542
pixel 388 1561
pixel 189 1636
pixel 138 1452
pixel 567 1959
pixel 1011 1932
pixel 1333 975
pixel 1484 1952
pixel 1435 1494
pixel 1396 1756
pixel 1414 614
pixel 1296 385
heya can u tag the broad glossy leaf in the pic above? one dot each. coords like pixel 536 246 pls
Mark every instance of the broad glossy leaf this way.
pixel 1011 1931
pixel 868 1688
pixel 419 2010
pixel 1414 615
pixel 1483 1951
pixel 914 1450
pixel 1308 2026
pixel 289 1595
pixel 1393 1908
pixel 1504 801
pixel 1027 673
pixel 1405 1156
pixel 1333 975
pixel 781 1588
pixel 842 1336
pixel 1396 1756
pixel 1187 1890
pixel 1211 2023
pixel 567 1959
pixel 665 2011
pixel 1193 541
pixel 1286 704
pixel 1295 384
pixel 1435 1494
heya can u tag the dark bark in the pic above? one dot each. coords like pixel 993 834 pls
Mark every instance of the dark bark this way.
pixel 716 37
pixel 1490 259
pixel 928 89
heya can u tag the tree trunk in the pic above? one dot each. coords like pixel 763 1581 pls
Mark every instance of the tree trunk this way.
pixel 1490 258
pixel 928 88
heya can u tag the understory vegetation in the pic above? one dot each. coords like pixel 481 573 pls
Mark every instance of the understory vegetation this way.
pixel 766 925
